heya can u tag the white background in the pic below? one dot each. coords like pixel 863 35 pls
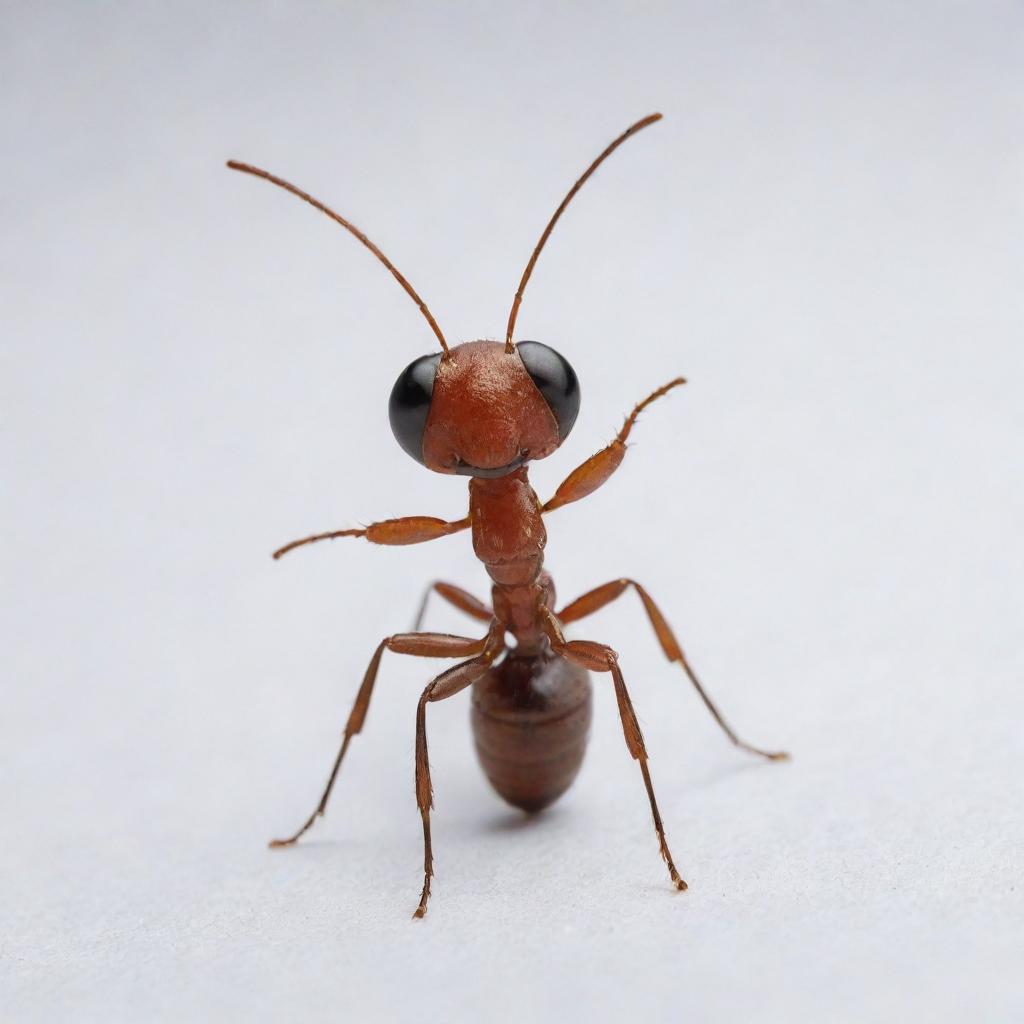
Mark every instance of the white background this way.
pixel 824 235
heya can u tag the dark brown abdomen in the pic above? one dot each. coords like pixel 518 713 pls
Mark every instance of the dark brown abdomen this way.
pixel 531 718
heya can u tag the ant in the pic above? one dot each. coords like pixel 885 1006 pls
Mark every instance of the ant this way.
pixel 484 410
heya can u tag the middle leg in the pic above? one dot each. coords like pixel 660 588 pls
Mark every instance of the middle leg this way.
pixel 447 684
pixel 423 645
pixel 600 658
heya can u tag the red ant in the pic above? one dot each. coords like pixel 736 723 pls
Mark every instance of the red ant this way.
pixel 485 409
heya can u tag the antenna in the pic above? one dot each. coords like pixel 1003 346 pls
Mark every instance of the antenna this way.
pixel 235 165
pixel 631 130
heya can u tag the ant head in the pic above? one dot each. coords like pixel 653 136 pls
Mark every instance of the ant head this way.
pixel 483 410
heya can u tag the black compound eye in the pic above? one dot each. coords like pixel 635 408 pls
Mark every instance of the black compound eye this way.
pixel 556 381
pixel 409 404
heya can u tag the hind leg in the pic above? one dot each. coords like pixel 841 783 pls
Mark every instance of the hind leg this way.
pixel 462 599
pixel 600 596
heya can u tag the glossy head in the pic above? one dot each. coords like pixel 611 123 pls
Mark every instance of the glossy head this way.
pixel 484 411
pixel 486 407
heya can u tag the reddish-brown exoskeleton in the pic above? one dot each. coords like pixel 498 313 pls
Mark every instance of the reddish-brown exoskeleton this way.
pixel 485 409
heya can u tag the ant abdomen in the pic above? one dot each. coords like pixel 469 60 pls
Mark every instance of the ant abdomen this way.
pixel 531 718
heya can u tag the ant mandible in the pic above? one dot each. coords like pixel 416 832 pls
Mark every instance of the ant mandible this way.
pixel 485 409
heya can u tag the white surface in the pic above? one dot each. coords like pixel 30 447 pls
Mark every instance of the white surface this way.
pixel 824 235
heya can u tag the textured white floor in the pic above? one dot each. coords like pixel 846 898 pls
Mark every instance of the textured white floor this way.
pixel 824 235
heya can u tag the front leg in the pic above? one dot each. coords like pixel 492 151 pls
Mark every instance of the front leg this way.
pixel 408 530
pixel 598 468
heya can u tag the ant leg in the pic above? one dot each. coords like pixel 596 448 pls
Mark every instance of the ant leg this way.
pixel 447 684
pixel 601 658
pixel 462 600
pixel 408 530
pixel 588 476
pixel 424 645
pixel 600 596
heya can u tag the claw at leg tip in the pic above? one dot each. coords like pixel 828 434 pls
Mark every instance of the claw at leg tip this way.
pixel 677 880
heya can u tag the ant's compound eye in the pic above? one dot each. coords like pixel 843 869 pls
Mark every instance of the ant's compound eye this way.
pixel 556 381
pixel 409 404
